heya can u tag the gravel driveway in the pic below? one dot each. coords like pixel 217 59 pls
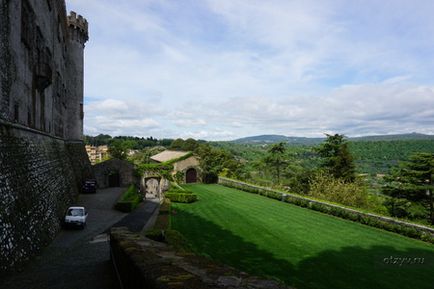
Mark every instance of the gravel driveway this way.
pixel 76 258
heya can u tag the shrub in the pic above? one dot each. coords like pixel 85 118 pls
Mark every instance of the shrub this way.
pixel 274 195
pixel 179 177
pixel 181 197
pixel 328 188
pixel 210 178
pixel 178 190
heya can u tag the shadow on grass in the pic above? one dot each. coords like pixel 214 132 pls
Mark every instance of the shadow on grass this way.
pixel 350 267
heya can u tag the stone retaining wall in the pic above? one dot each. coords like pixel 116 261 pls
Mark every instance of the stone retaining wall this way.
pixel 37 184
pixel 408 229
pixel 144 263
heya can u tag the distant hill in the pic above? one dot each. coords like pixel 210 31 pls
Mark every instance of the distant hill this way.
pixel 270 139
pixel 390 137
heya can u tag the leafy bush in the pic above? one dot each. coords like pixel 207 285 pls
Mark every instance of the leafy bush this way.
pixel 129 200
pixel 178 190
pixel 404 208
pixel 179 177
pixel 181 197
pixel 210 178
pixel 326 187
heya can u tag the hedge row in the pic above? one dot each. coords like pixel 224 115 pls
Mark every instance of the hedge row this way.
pixel 407 229
pixel 181 197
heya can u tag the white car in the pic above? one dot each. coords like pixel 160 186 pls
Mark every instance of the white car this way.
pixel 76 216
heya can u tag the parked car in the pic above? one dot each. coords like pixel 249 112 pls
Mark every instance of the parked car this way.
pixel 76 216
pixel 89 186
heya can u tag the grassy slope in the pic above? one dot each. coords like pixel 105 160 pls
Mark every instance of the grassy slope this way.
pixel 304 248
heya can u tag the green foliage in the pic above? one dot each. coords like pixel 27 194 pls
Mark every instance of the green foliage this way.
pixel 136 143
pixel 412 180
pixel 129 200
pixel 180 195
pixel 118 149
pixel 164 169
pixel 326 187
pixel 379 156
pixel 185 145
pixel 179 177
pixel 144 156
pixel 161 169
pixel 214 160
pixel 275 159
pixel 336 156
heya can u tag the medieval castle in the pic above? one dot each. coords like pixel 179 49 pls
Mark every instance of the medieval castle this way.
pixel 42 157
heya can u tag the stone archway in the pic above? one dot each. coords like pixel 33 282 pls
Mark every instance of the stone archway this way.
pixel 191 176
pixel 152 188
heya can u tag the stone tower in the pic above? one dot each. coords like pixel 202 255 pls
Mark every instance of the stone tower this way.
pixel 78 36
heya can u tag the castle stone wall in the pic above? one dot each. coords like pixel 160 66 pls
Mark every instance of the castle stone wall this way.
pixel 37 183
pixel 42 160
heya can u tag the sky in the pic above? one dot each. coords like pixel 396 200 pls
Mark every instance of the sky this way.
pixel 225 69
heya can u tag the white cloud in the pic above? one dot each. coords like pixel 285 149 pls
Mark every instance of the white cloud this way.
pixel 227 68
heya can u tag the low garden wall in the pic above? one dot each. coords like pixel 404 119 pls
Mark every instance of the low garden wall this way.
pixel 144 263
pixel 407 229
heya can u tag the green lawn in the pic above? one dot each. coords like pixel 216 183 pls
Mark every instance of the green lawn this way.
pixel 303 248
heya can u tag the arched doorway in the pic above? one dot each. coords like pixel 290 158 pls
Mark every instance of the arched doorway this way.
pixel 114 180
pixel 152 188
pixel 191 176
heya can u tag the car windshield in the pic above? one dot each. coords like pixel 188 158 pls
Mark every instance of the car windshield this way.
pixel 76 212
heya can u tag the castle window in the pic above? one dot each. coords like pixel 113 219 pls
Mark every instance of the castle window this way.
pixel 43 68
pixel 81 111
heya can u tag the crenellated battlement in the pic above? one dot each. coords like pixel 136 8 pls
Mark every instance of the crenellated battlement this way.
pixel 79 24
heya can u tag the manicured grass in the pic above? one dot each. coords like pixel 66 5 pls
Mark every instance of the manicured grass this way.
pixel 303 248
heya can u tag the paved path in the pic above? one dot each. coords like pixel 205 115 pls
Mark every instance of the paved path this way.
pixel 76 258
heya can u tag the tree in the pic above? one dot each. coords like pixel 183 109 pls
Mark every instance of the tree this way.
pixel 275 159
pixel 327 187
pixel 337 159
pixel 213 161
pixel 118 149
pixel 413 180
